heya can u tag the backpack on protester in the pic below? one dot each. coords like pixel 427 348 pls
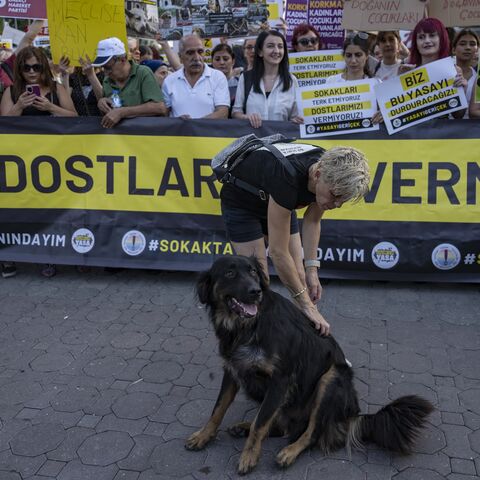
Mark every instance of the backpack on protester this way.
pixel 278 145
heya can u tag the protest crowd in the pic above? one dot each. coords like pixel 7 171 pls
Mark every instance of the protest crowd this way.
pixel 250 81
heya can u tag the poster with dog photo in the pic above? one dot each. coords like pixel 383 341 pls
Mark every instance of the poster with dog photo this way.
pixel 142 18
pixel 211 18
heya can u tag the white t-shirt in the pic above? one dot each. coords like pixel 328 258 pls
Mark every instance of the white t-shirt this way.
pixel 279 105
pixel 385 72
pixel 470 89
pixel 339 79
pixel 210 91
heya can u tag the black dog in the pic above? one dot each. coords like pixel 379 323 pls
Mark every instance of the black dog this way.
pixel 300 378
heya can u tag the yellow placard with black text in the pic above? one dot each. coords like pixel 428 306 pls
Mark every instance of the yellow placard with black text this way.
pixel 76 26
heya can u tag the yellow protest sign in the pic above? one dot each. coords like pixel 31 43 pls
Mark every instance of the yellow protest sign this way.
pixel 76 26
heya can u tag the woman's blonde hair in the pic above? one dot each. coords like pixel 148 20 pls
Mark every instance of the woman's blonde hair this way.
pixel 346 171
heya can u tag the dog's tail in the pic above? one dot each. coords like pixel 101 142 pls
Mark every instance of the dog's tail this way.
pixel 394 427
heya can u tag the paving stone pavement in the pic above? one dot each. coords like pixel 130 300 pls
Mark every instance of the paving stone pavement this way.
pixel 103 377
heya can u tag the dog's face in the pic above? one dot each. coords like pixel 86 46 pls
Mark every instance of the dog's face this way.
pixel 233 285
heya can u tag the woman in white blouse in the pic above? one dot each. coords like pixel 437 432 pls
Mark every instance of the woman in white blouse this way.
pixel 273 88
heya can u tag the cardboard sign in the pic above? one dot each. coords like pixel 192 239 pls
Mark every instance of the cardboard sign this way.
pixel 337 108
pixel 419 95
pixel 23 9
pixel 456 14
pixel 367 15
pixel 313 68
pixel 76 27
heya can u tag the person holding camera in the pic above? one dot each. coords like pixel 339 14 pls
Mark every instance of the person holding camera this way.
pixel 34 90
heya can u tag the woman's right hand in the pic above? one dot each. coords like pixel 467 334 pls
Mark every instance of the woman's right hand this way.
pixel 255 120
pixel 25 100
pixel 317 318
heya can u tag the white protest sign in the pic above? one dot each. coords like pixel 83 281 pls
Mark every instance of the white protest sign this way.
pixel 313 68
pixel 419 95
pixel 13 33
pixel 337 108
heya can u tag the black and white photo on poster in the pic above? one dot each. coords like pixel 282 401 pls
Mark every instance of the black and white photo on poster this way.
pixel 142 18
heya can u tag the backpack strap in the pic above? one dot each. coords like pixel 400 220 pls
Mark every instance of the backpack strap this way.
pixel 247 84
pixel 263 143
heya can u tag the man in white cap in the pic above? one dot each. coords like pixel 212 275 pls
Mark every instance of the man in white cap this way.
pixel 129 90
pixel 196 90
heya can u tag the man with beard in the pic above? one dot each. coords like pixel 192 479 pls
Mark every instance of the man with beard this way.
pixel 196 90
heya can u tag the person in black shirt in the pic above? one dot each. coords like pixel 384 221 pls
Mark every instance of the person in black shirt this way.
pixel 323 180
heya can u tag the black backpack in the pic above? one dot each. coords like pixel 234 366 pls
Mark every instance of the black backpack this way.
pixel 225 161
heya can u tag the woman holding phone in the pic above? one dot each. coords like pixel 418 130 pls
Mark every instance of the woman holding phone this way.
pixel 34 91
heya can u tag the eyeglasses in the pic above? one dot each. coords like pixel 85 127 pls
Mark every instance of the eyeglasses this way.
pixel 249 47
pixel 305 42
pixel 358 35
pixel 36 67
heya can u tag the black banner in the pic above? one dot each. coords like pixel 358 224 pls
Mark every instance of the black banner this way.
pixel 143 196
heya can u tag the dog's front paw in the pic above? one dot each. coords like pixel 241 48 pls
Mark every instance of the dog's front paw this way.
pixel 248 461
pixel 286 456
pixel 198 440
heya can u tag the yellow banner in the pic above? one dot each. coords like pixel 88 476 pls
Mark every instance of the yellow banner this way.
pixel 412 180
pixel 76 26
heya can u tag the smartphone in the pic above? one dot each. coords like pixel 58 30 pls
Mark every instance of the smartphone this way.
pixel 34 88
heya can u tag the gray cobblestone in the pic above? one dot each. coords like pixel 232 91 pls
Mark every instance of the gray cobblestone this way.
pixel 120 369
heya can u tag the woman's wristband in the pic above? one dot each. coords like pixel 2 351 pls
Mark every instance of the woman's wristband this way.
pixel 312 263
pixel 296 295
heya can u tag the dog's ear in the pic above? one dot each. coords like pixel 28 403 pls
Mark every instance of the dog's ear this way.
pixel 204 287
pixel 261 273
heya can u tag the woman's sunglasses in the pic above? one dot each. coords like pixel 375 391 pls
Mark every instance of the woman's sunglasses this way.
pixel 305 42
pixel 35 67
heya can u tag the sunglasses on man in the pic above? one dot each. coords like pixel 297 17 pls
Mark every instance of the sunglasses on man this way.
pixel 305 42
pixel 36 67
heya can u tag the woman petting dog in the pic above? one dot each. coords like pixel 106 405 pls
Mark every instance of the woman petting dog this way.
pixel 321 180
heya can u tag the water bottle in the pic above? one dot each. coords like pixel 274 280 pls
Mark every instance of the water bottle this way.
pixel 116 100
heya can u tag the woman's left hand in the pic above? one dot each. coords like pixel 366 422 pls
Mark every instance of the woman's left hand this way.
pixel 313 284
pixel 298 120
pixel 43 104
pixel 460 80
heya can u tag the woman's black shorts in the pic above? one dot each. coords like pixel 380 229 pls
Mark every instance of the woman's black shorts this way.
pixel 243 225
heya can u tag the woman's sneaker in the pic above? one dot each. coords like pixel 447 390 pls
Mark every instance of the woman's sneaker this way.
pixel 9 269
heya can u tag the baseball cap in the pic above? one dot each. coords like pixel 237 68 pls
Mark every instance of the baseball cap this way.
pixel 108 48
